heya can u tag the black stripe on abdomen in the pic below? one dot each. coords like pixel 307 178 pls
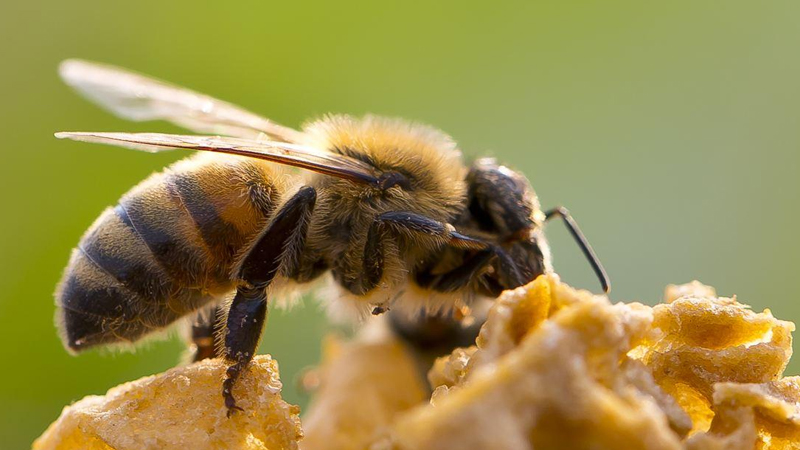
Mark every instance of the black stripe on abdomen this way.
pixel 222 238
pixel 129 269
pixel 96 309
pixel 174 252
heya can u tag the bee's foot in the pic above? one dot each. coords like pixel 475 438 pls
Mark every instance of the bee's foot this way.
pixel 227 394
pixel 233 409
pixel 230 403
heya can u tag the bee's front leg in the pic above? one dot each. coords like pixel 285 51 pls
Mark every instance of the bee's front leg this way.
pixel 280 241
pixel 457 278
pixel 394 223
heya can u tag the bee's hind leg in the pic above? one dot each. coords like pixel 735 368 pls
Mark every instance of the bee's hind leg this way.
pixel 280 242
pixel 203 333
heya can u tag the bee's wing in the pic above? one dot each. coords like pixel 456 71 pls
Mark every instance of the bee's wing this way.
pixel 139 98
pixel 290 154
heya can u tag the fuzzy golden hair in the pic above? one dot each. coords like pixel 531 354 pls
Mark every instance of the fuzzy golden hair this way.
pixel 426 154
pixel 431 161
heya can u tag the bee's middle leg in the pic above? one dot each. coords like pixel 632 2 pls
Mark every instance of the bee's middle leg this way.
pixel 280 242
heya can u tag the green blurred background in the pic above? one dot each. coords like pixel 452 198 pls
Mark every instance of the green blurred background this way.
pixel 670 130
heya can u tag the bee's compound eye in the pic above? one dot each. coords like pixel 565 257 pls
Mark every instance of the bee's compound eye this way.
pixel 389 180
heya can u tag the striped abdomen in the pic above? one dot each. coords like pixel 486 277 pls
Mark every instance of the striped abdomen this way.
pixel 165 250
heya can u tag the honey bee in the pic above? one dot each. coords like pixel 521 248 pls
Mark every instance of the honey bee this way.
pixel 386 208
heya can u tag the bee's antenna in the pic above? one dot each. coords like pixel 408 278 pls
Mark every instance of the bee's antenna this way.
pixel 576 232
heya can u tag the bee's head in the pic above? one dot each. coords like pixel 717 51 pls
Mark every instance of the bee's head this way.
pixel 419 168
pixel 502 201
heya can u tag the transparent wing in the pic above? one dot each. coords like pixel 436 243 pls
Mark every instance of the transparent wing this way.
pixel 139 98
pixel 280 152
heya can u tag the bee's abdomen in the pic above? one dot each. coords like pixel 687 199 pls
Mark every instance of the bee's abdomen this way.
pixel 164 251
